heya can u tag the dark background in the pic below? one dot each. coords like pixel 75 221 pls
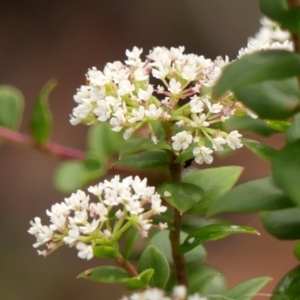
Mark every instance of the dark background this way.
pixel 62 39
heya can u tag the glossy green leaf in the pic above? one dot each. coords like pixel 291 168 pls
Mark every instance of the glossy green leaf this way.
pixel 105 274
pixel 293 133
pixel 286 170
pixel 247 289
pixel 211 233
pixel 278 125
pixel 141 281
pixel 263 151
pixel 41 118
pixel 242 198
pixel 247 123
pixel 158 129
pixel 290 21
pixel 94 167
pixel 134 145
pixel 102 140
pixel 271 99
pixel 152 258
pixel 215 182
pixel 284 224
pixel 132 235
pixel 105 252
pixel 297 250
pixel 200 273
pixel 161 241
pixel 69 176
pixel 11 104
pixel 288 288
pixel 181 195
pixel 199 283
pixel 274 9
pixel 144 160
pixel 261 66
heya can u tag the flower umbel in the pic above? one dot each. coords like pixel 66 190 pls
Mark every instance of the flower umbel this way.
pixel 127 97
pixel 79 222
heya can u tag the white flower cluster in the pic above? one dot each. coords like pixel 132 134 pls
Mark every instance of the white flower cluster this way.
pixel 179 293
pixel 124 96
pixel 270 36
pixel 84 224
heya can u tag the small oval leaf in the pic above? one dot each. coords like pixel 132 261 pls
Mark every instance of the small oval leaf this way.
pixel 210 233
pixel 41 118
pixel 105 252
pixel 152 258
pixel 105 274
pixel 181 195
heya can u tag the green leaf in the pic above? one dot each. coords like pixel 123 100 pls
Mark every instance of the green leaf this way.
pixel 73 174
pixel 69 176
pixel 286 170
pixel 131 236
pixel 275 10
pixel 281 126
pixel 297 250
pixel 293 133
pixel 271 99
pixel 161 241
pixel 290 20
pixel 105 252
pixel 102 140
pixel 288 288
pixel 152 258
pixel 94 167
pixel 134 145
pixel 181 195
pixel 242 198
pixel 12 104
pixel 206 280
pixel 247 289
pixel 284 224
pixel 211 233
pixel 41 118
pixel 215 182
pixel 198 283
pixel 144 160
pixel 141 281
pixel 261 66
pixel 247 123
pixel 106 274
pixel 158 130
pixel 261 150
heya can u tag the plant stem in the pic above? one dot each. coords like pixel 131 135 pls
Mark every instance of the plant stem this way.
pixel 50 147
pixel 126 265
pixel 174 236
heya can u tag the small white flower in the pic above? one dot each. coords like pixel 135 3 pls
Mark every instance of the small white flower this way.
pixel 233 140
pixel 153 112
pixel 36 226
pixel 137 115
pixel 181 140
pixel 217 143
pixel 174 86
pixel 125 87
pixel 145 95
pixel 85 251
pixel 179 292
pixel 140 74
pixel 199 121
pixel 203 154
pixel 196 104
pixel 160 89
pixel 162 226
pixel 73 234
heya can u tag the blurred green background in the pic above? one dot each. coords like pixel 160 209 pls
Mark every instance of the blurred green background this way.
pixel 62 39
